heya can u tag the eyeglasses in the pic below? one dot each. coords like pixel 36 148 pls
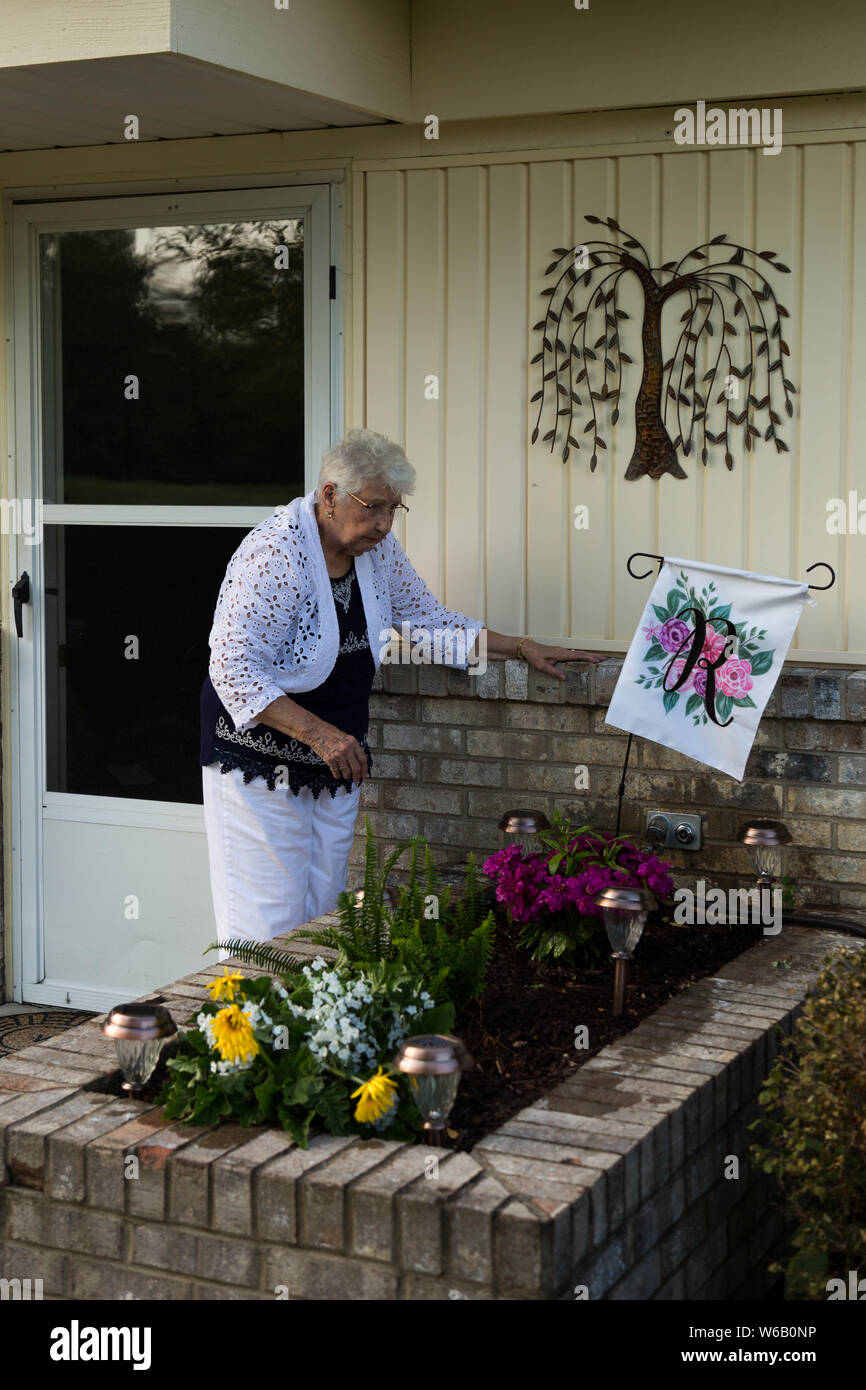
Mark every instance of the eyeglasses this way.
pixel 380 509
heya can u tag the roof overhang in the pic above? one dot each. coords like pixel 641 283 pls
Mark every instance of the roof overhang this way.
pixel 186 70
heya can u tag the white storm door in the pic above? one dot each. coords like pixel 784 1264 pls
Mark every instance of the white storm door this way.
pixel 174 382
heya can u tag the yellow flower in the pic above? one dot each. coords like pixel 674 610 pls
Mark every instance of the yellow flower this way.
pixel 233 1035
pixel 227 987
pixel 376 1096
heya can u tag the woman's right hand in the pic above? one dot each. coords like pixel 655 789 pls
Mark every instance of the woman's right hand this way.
pixel 343 753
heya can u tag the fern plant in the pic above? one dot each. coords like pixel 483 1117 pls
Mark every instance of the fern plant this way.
pixel 447 941
pixel 260 953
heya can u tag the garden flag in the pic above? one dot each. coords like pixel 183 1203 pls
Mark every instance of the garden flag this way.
pixel 705 659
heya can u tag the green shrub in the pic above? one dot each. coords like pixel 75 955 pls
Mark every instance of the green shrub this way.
pixel 815 1130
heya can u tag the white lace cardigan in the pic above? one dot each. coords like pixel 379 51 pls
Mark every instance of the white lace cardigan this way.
pixel 275 626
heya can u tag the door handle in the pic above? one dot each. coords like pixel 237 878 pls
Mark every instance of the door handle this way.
pixel 21 595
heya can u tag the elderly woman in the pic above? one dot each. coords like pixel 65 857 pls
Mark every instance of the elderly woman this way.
pixel 307 604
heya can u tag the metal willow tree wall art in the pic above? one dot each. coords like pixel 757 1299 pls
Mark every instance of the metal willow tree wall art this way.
pixel 728 300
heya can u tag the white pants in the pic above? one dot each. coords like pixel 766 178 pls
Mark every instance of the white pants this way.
pixel 277 860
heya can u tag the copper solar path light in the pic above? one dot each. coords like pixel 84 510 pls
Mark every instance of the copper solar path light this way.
pixel 625 912
pixel 764 840
pixel 521 828
pixel 139 1031
pixel 435 1062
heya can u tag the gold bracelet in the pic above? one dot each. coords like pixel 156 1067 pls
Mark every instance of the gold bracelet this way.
pixel 519 645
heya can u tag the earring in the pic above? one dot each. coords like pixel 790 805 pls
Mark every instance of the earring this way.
pixel 329 514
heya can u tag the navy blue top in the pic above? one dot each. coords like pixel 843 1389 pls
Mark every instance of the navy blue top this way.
pixel 343 699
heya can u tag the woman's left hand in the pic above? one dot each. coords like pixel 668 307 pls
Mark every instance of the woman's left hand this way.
pixel 542 658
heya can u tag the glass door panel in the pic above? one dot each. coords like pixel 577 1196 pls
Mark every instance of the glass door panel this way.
pixel 173 364
pixel 128 612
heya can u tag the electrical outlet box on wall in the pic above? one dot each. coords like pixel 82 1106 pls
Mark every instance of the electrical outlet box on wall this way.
pixel 674 830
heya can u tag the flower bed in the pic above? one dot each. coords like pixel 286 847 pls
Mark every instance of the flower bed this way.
pixel 522 1033
pixel 612 1184
pixel 300 1048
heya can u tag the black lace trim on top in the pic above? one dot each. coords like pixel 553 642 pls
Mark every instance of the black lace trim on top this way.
pixel 289 774
pixel 342 699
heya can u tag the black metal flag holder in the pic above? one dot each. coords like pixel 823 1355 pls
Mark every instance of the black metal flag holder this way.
pixel 646 555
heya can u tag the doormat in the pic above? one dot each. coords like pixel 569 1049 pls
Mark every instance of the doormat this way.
pixel 33 1026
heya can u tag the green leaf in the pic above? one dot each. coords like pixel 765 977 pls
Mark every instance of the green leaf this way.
pixel 438 1020
pixel 333 1107
pixel 209 1111
pixel 723 611
pixel 723 706
pixel 654 652
pixel 298 1125
pixel 265 1094
pixel 661 613
pixel 674 601
pixel 670 700
pixel 694 702
pixel 746 702
pixel 762 662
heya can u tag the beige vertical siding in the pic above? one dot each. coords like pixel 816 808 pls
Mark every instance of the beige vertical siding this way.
pixel 449 265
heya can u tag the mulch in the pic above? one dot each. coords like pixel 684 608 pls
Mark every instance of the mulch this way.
pixel 521 1033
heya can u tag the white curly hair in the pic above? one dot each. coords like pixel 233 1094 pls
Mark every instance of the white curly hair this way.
pixel 363 456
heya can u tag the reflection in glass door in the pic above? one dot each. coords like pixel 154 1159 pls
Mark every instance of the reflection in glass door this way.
pixel 184 393
pixel 173 364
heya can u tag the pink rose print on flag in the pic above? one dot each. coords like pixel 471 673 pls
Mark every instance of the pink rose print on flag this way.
pixel 734 678
pixel 670 647
pixel 714 644
pixel 676 671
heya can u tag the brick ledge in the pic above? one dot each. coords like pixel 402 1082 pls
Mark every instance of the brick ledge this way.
pixel 802 692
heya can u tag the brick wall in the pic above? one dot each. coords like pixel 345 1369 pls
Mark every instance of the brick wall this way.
pixel 451 753
pixel 616 1185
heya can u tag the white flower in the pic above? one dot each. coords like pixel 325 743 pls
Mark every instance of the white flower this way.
pixel 221 1068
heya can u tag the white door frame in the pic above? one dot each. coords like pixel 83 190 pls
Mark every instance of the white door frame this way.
pixel 321 203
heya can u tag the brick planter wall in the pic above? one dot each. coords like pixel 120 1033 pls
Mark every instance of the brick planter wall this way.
pixel 452 752
pixel 612 1186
